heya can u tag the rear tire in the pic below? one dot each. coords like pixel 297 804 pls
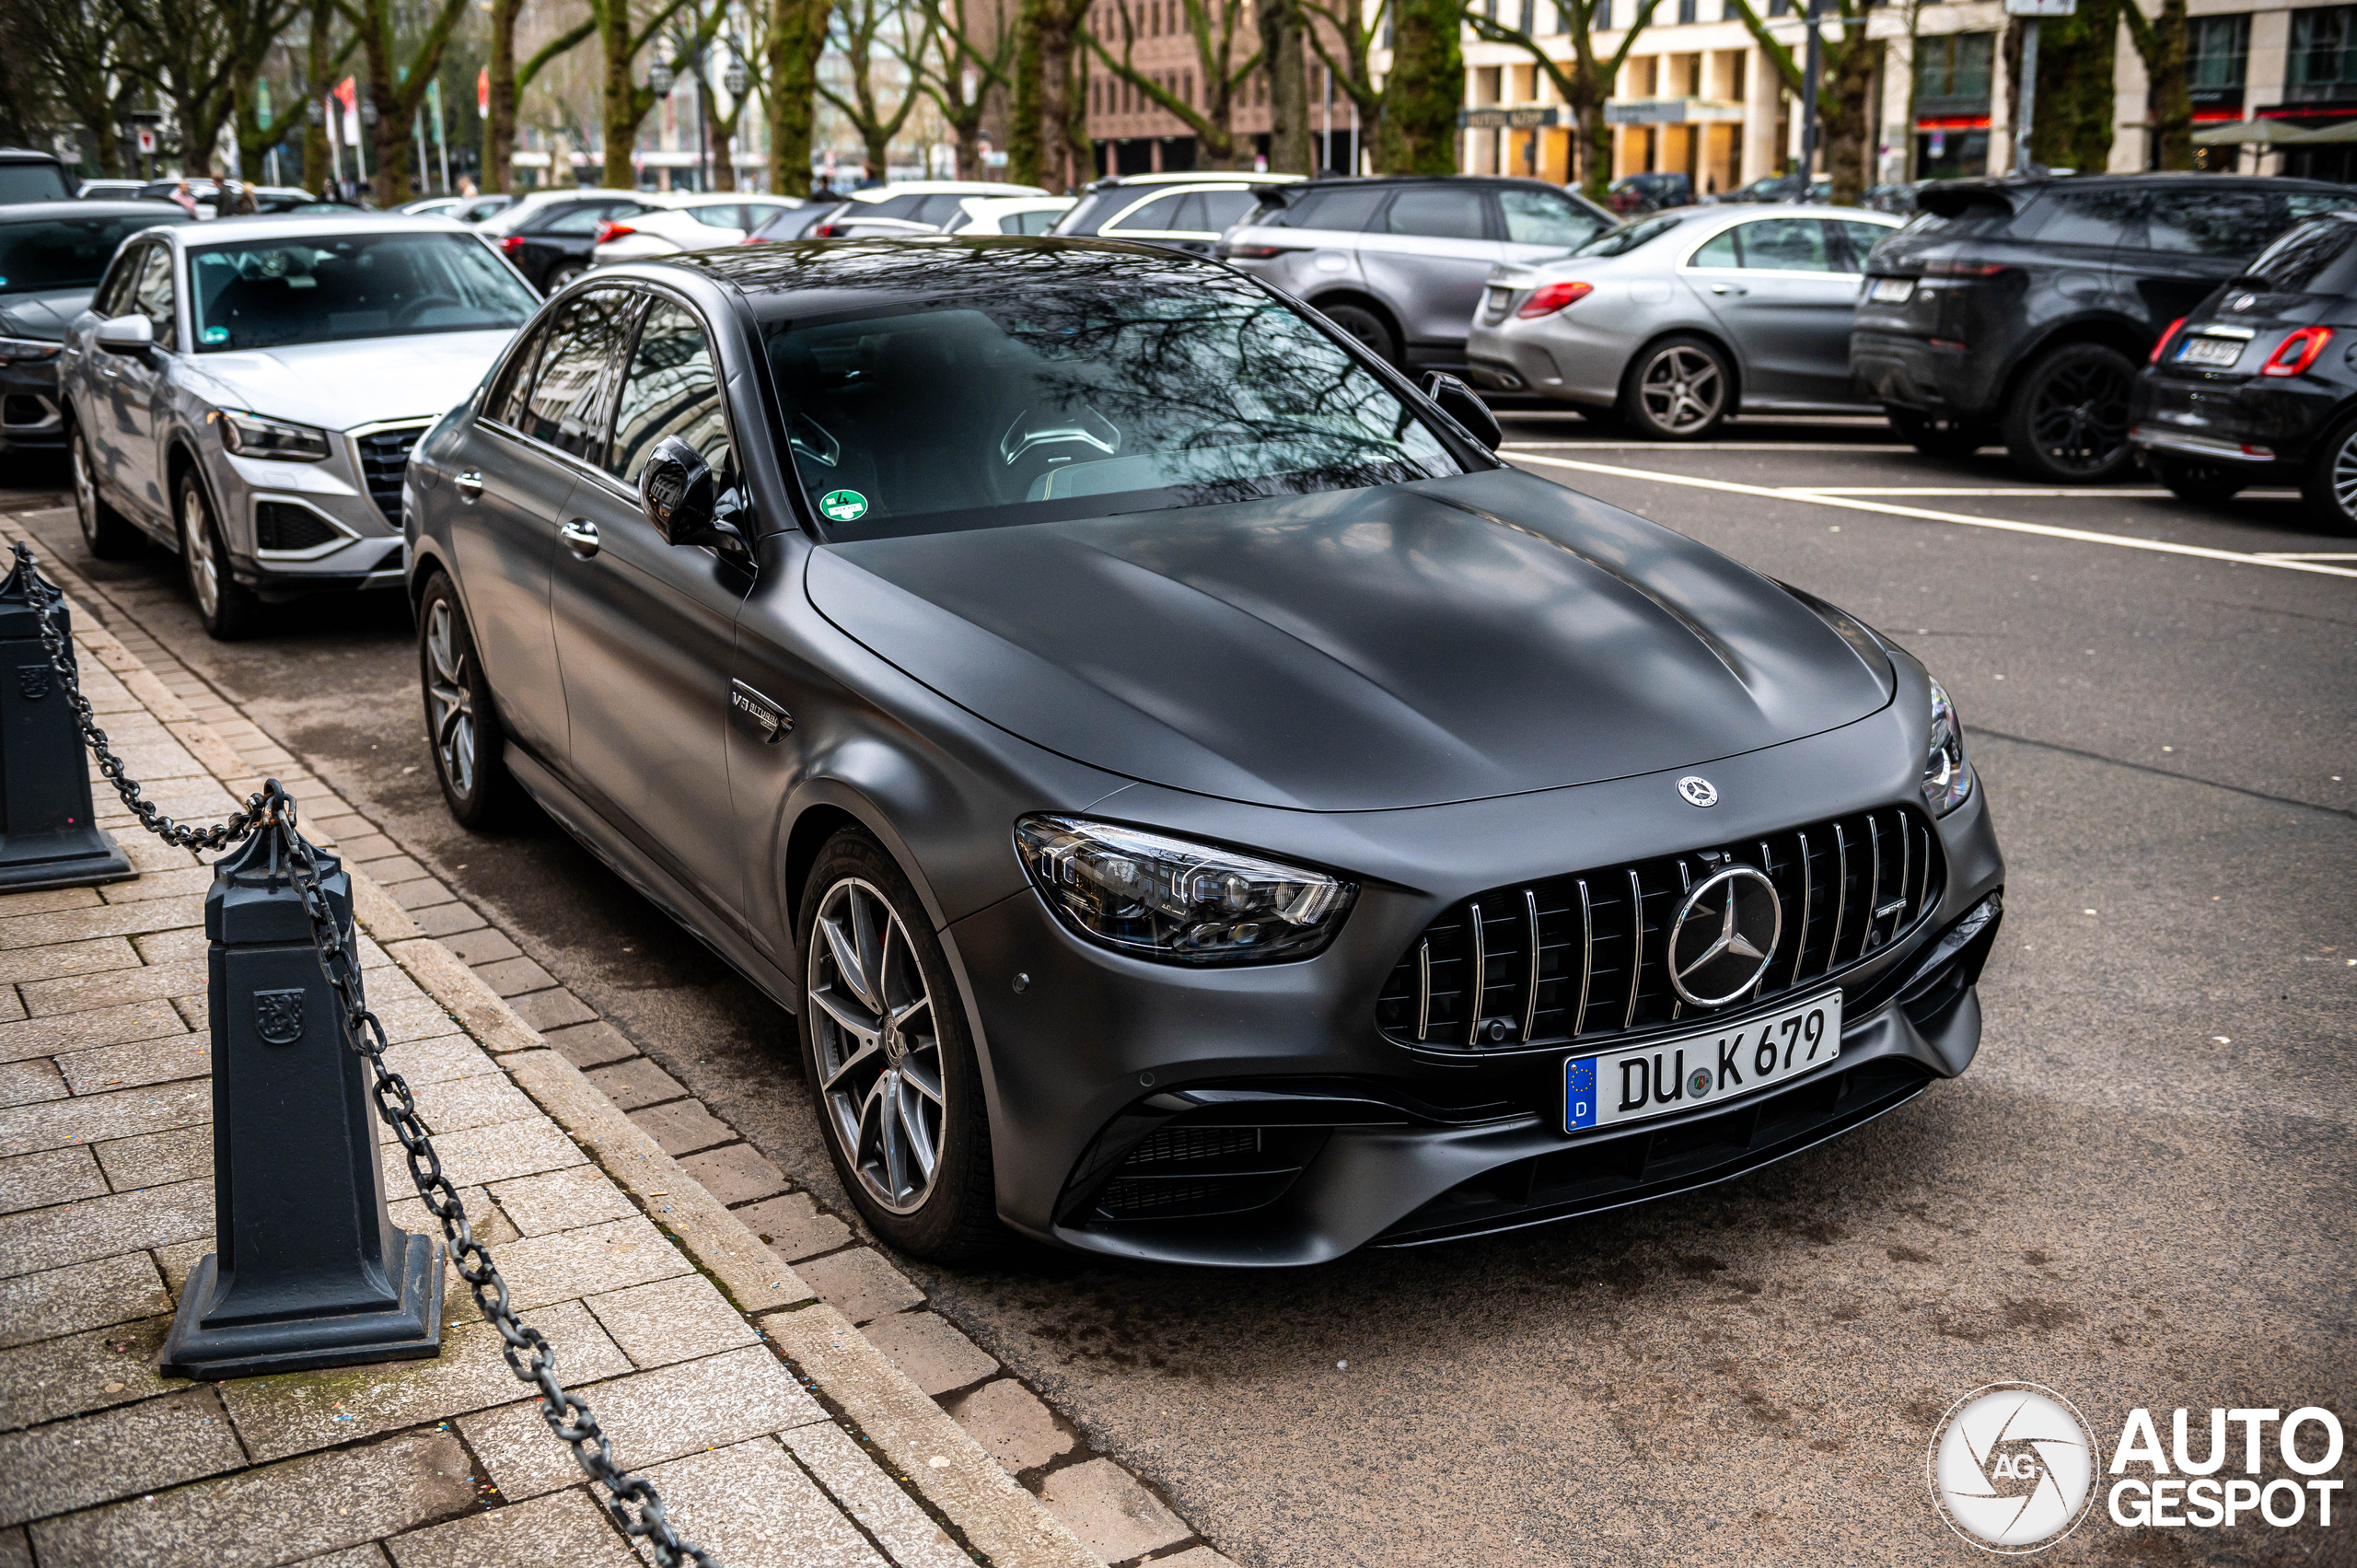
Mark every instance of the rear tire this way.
pixel 462 727
pixel 1937 438
pixel 2196 480
pixel 891 1064
pixel 2330 485
pixel 1680 389
pixel 230 611
pixel 1370 329
pixel 2066 420
pixel 106 533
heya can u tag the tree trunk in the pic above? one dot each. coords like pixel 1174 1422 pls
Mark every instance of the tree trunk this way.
pixel 1281 56
pixel 1592 136
pixel 389 151
pixel 1423 91
pixel 320 59
pixel 1849 141
pixel 2172 103
pixel 1080 158
pixel 798 38
pixel 2075 60
pixel 499 123
pixel 1039 147
pixel 622 113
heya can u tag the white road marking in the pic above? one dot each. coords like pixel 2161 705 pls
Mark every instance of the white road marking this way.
pixel 2004 525
pixel 2081 491
pixel 2297 555
pixel 1702 446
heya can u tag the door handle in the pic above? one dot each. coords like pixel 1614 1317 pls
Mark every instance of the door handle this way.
pixel 580 537
pixel 470 486
pixel 1727 288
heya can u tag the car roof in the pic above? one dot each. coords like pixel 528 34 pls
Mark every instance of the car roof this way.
pixel 1197 176
pixel 910 265
pixel 1946 197
pixel 311 225
pixel 945 188
pixel 93 207
pixel 30 155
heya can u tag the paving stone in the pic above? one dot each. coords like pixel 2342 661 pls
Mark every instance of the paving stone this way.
pixel 552 1009
pixel 161 885
pixel 443 1056
pixel 794 1229
pixel 96 1459
pixel 562 1200
pixel 562 1528
pixel 485 946
pixel 156 1158
pixel 294 1412
pixel 101 920
pixel 514 977
pixel 80 1031
pixel 162 1060
pixel 349 824
pixel 490 1226
pixel 82 1372
pixel 751 1506
pixel 860 1284
pixel 421 892
pixel 171 946
pixel 272 1514
pixel 97 1227
pixel 46 899
pixel 52 1175
pixel 736 1174
pixel 682 1127
pixel 12 1007
pixel 90 1118
pixel 393 869
pixel 635 1082
pixel 112 988
pixel 179 1260
pixel 651 1416
pixel 458 1104
pixel 854 1479
pixel 21 1083
pixel 446 920
pixel 98 955
pixel 674 1319
pixel 411 1018
pixel 57 1302
pixel 478 1156
pixel 1194 1557
pixel 1112 1514
pixel 368 1556
pixel 16 1551
pixel 590 1045
pixel 365 850
pixel 1012 1425
pixel 569 1263
pixel 937 1357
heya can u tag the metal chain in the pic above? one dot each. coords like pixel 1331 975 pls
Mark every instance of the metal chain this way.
pixel 530 1356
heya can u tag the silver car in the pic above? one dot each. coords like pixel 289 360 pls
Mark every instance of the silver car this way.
pixel 1398 263
pixel 247 392
pixel 1677 320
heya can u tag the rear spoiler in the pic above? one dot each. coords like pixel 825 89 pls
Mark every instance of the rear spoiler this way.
pixel 1949 199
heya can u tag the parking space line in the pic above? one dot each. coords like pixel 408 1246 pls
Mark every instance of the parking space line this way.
pixel 1705 447
pixel 1961 519
pixel 2306 555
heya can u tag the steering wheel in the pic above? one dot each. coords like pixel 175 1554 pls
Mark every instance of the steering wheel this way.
pixel 407 313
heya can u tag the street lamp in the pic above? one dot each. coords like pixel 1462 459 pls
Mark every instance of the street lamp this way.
pixel 738 79
pixel 661 78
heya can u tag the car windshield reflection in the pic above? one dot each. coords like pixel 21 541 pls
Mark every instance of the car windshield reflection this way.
pixel 273 293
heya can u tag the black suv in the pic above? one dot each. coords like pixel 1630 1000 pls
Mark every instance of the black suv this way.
pixel 557 243
pixel 2021 309
pixel 2255 384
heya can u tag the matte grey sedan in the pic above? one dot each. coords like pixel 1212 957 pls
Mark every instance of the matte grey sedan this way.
pixel 1678 320
pixel 1200 802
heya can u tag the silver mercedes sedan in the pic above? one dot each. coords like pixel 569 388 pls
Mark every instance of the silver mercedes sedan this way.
pixel 1679 320
pixel 246 391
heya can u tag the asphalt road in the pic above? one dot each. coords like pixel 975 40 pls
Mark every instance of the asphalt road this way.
pixel 2140 1195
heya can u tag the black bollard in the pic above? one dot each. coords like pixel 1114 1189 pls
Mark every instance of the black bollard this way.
pixel 49 835
pixel 311 1271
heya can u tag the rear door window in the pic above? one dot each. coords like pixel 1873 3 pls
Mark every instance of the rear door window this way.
pixel 1223 210
pixel 1349 211
pixel 573 392
pixel 1157 216
pixel 1787 245
pixel 2228 224
pixel 2100 215
pixel 1541 217
pixel 889 207
pixel 1863 238
pixel 511 400
pixel 1446 212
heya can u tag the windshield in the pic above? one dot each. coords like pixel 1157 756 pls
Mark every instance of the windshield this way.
pixel 1035 399
pixel 1627 238
pixel 269 293
pixel 61 253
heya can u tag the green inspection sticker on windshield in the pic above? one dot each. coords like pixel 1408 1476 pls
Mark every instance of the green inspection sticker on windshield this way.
pixel 843 505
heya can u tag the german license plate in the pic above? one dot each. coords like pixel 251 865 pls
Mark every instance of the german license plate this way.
pixel 1892 291
pixel 1497 297
pixel 2210 351
pixel 1703 1069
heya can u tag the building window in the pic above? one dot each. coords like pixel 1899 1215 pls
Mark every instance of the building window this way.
pixel 1599 19
pixel 1952 72
pixel 1780 8
pixel 1530 14
pixel 1688 10
pixel 2324 55
pixel 2217 57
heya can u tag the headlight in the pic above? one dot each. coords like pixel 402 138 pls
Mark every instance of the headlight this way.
pixel 1161 898
pixel 17 350
pixel 1947 775
pixel 250 435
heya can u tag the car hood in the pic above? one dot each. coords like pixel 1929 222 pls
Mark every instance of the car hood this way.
pixel 41 315
pixel 1408 646
pixel 359 381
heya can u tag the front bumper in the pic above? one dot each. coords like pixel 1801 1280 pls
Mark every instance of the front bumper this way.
pixel 1328 1136
pixel 32 417
pixel 296 528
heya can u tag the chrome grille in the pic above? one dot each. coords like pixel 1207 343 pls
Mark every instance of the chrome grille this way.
pixel 1850 885
pixel 384 459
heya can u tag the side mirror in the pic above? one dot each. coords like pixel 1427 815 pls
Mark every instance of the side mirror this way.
pixel 681 496
pixel 1459 402
pixel 134 335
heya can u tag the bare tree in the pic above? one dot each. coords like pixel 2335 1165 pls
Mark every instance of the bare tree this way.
pixel 627 103
pixel 1215 28
pixel 1587 83
pixel 1283 25
pixel 961 69
pixel 194 51
pixel 1356 34
pixel 1843 94
pixel 506 81
pixel 866 29
pixel 81 52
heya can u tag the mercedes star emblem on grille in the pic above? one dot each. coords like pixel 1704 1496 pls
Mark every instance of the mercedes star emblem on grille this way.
pixel 1724 933
pixel 1698 790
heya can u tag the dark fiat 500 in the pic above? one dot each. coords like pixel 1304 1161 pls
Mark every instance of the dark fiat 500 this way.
pixel 1199 804
pixel 2256 384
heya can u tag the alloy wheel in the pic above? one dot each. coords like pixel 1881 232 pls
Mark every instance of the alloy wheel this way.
pixel 2080 418
pixel 450 691
pixel 879 1045
pixel 1681 389
pixel 2344 476
pixel 196 554
pixel 85 491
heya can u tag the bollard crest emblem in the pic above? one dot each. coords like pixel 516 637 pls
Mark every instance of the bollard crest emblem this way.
pixel 32 682
pixel 278 1015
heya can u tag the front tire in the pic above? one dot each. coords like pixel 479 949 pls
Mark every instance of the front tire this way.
pixel 1934 437
pixel 2330 485
pixel 1679 390
pixel 2194 480
pixel 462 727
pixel 891 1066
pixel 107 534
pixel 230 611
pixel 2067 419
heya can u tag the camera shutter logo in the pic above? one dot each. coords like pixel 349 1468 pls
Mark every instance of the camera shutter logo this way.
pixel 2012 1468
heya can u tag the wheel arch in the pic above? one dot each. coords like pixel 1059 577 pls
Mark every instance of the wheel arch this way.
pixel 1710 335
pixel 2106 329
pixel 180 457
pixel 1353 295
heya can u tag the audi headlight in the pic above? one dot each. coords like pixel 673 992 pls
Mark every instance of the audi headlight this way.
pixel 251 436
pixel 1160 897
pixel 18 351
pixel 1947 774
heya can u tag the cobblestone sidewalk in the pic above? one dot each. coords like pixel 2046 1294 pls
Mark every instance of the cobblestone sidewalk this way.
pixel 777 1434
